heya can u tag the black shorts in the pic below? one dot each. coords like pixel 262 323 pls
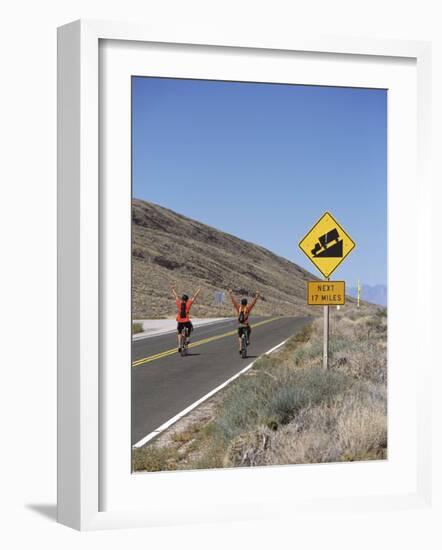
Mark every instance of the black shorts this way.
pixel 188 325
pixel 247 328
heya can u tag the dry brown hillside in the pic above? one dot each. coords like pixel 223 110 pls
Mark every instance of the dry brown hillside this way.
pixel 169 248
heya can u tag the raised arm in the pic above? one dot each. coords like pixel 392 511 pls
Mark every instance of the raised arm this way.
pixel 195 296
pixel 175 295
pixel 232 297
pixel 252 305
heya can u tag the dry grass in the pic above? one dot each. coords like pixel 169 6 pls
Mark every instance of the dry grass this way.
pixel 155 459
pixel 359 346
pixel 351 427
pixel 288 410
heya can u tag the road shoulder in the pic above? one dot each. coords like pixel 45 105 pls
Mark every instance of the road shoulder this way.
pixel 157 327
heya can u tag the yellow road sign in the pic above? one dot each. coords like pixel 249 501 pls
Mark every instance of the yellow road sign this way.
pixel 326 293
pixel 327 244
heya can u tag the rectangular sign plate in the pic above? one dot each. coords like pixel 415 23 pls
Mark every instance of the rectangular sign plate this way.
pixel 326 293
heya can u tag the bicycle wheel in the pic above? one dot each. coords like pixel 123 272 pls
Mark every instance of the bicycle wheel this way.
pixel 244 345
pixel 184 343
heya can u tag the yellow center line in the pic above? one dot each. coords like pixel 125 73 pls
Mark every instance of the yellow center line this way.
pixel 162 354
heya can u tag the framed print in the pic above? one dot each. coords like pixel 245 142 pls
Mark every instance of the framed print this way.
pixel 235 223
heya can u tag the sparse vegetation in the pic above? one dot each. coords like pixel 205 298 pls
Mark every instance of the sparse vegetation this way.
pixel 288 410
pixel 137 328
pixel 155 459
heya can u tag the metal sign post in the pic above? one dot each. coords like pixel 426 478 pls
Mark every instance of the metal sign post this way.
pixel 219 299
pixel 326 333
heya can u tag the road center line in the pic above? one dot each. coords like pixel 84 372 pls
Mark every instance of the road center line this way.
pixel 168 352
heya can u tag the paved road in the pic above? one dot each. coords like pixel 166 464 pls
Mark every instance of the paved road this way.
pixel 164 383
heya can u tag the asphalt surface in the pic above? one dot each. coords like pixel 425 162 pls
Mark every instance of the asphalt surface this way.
pixel 164 383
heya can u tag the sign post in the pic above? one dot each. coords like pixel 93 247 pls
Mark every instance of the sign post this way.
pixel 219 299
pixel 326 245
pixel 326 335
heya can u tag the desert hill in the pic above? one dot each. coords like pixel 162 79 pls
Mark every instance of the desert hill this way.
pixel 170 248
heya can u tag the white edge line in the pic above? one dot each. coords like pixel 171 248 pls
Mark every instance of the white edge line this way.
pixel 184 412
pixel 141 336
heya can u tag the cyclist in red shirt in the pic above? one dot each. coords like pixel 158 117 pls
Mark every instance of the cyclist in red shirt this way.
pixel 243 310
pixel 183 315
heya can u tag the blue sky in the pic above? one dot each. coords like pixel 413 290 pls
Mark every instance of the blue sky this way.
pixel 265 161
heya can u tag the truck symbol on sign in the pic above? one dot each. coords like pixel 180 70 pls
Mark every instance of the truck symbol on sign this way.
pixel 323 249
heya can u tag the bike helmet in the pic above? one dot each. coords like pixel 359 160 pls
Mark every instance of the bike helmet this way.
pixel 184 297
pixel 244 302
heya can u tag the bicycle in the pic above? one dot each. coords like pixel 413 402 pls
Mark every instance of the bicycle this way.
pixel 244 342
pixel 183 341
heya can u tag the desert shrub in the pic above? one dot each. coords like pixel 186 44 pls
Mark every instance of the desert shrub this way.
pixel 358 348
pixel 352 426
pixel 338 344
pixel 310 352
pixel 352 314
pixel 137 328
pixel 154 459
pixel 363 362
pixel 273 398
pixel 377 324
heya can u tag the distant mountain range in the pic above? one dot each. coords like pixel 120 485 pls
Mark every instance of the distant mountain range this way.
pixel 375 294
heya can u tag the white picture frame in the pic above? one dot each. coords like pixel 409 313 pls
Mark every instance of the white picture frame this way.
pixel 80 361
